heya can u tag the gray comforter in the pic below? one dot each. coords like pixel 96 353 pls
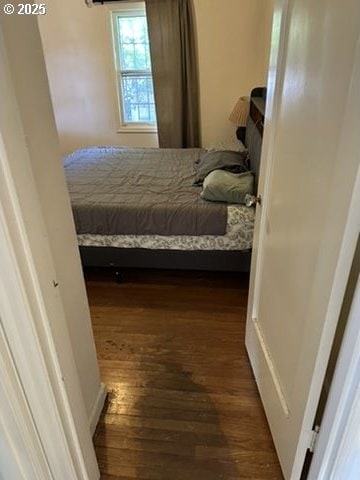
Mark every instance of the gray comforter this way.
pixel 140 191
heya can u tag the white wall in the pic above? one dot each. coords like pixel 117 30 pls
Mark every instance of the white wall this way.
pixel 23 46
pixel 78 53
pixel 233 46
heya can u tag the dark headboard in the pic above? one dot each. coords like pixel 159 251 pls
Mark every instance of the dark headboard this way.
pixel 254 129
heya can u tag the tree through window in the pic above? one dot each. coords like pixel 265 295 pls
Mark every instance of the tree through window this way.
pixel 133 67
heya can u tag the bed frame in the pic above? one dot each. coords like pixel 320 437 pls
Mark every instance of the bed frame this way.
pixel 230 261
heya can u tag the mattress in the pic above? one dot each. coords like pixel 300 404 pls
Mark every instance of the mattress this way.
pixel 238 236
pixel 140 191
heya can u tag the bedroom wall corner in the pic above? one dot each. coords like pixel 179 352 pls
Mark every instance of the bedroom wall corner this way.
pixel 78 54
pixel 29 81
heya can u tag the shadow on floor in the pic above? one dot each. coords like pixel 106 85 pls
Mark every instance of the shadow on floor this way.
pixel 171 431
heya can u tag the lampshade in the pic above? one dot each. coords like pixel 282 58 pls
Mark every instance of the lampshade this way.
pixel 240 112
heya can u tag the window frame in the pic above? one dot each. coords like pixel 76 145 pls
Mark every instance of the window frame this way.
pixel 126 10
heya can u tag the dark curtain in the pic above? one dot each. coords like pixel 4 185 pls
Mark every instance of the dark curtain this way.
pixel 175 72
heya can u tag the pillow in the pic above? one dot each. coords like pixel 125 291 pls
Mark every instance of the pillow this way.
pixel 233 144
pixel 222 186
pixel 225 160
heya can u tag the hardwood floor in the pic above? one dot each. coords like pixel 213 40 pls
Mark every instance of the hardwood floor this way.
pixel 183 404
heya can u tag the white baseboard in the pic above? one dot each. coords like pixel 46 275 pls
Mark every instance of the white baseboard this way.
pixel 97 408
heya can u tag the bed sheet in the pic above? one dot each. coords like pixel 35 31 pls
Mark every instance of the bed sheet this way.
pixel 238 236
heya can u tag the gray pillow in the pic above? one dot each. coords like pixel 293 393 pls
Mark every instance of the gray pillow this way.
pixel 233 144
pixel 222 186
pixel 225 160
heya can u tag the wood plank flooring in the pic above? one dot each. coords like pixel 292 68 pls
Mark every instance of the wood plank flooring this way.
pixel 183 404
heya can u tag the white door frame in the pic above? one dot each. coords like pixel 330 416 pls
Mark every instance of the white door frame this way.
pixel 336 455
pixel 21 344
pixel 33 387
pixel 33 395
pixel 21 453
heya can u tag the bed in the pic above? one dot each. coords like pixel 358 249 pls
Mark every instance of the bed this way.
pixel 142 207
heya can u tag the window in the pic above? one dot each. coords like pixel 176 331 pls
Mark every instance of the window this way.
pixel 133 69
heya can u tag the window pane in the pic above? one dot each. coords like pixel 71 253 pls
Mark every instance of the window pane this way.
pixel 134 68
pixel 138 99
pixel 134 49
